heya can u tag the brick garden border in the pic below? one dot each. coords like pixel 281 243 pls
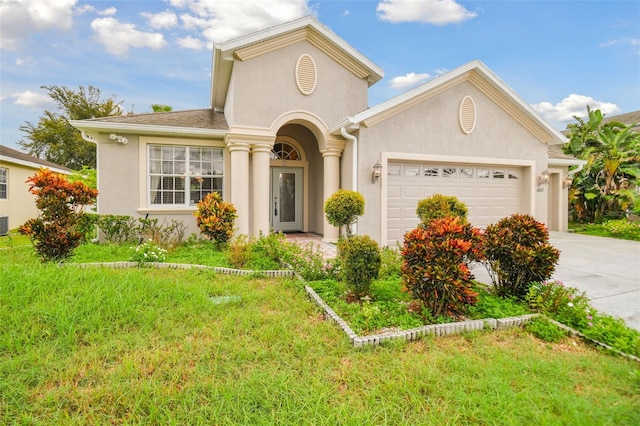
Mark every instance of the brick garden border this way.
pixel 447 329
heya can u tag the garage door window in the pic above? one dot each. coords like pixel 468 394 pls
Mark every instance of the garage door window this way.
pixel 466 172
pixel 449 172
pixel 498 174
pixel 482 173
pixel 431 171
pixel 412 171
pixel 393 170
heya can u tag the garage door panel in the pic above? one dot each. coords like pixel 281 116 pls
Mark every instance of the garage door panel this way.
pixel 489 192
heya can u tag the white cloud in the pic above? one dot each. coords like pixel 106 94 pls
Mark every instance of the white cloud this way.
pixel 20 19
pixel 573 105
pixel 166 19
pixel 437 12
pixel 222 20
pixel 409 80
pixel 107 12
pixel 118 37
pixel 32 99
pixel 191 43
pixel 346 12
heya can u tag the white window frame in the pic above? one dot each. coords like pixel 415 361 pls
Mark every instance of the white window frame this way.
pixel 4 182
pixel 191 174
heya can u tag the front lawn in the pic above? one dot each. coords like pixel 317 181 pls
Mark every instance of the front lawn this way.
pixel 157 346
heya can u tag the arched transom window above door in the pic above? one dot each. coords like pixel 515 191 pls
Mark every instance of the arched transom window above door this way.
pixel 285 151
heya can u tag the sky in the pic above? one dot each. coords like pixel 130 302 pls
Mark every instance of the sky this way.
pixel 558 56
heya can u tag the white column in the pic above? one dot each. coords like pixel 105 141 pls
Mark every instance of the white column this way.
pixel 331 159
pixel 239 153
pixel 261 156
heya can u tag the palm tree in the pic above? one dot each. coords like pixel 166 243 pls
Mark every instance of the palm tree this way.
pixel 605 188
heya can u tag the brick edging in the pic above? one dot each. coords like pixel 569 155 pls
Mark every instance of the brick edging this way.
pixel 162 265
pixel 447 329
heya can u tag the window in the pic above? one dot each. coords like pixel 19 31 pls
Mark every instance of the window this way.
pixel 449 172
pixel 431 171
pixel 183 175
pixel 466 172
pixel 3 183
pixel 411 171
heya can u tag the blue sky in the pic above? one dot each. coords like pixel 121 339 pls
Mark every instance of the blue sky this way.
pixel 559 56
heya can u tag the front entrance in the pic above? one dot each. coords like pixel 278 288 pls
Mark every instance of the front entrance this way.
pixel 286 198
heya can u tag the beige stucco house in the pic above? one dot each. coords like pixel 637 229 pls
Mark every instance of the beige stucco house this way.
pixel 17 204
pixel 289 125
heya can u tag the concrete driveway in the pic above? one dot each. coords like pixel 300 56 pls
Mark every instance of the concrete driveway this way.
pixel 607 269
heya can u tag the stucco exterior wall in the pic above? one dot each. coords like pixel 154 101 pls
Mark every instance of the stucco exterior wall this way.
pixel 432 127
pixel 20 203
pixel 264 87
pixel 118 176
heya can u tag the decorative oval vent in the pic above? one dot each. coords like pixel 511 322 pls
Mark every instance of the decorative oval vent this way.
pixel 467 115
pixel 306 74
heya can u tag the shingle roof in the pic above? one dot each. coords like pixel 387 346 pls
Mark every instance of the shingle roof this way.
pixel 18 155
pixel 196 118
pixel 555 152
pixel 627 119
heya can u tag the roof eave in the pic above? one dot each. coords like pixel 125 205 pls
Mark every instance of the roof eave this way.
pixel 32 164
pixel 146 129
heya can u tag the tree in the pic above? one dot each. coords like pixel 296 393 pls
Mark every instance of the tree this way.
pixel 54 139
pixel 161 108
pixel 603 189
pixel 343 207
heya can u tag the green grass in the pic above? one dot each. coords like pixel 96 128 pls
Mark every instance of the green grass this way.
pixel 621 228
pixel 96 346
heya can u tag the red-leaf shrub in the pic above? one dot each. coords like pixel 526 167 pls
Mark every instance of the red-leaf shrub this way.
pixel 518 253
pixel 57 230
pixel 215 218
pixel 437 261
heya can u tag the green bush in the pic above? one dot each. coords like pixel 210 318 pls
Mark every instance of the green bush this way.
pixel 87 226
pixel 436 267
pixel 148 252
pixel 215 218
pixel 165 234
pixel 391 260
pixel 545 330
pixel 343 208
pixel 57 230
pixel 118 229
pixel 359 258
pixel 518 253
pixel 439 206
pixel 567 305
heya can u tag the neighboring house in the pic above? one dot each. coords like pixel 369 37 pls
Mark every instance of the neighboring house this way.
pixel 288 125
pixel 17 204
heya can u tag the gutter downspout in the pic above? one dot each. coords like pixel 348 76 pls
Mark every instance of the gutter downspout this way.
pixel 580 167
pixel 354 165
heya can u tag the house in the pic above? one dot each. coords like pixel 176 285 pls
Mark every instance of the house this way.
pixel 17 204
pixel 289 124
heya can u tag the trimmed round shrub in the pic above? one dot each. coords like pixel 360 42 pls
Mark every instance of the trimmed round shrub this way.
pixel 215 218
pixel 343 208
pixel 437 265
pixel 360 259
pixel 439 206
pixel 518 254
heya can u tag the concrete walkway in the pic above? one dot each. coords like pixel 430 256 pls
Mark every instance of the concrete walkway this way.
pixel 606 269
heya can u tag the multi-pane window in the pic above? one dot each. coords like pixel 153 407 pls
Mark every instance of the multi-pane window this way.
pixel 3 183
pixel 183 175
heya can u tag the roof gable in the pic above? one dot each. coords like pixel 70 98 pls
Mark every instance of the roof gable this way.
pixel 304 29
pixel 478 74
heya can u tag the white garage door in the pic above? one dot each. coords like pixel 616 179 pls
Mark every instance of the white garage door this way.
pixel 489 192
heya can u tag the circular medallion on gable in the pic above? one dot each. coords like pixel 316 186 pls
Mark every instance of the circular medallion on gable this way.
pixel 467 114
pixel 306 74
